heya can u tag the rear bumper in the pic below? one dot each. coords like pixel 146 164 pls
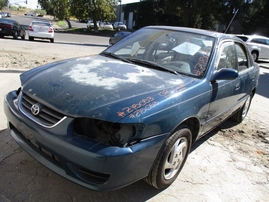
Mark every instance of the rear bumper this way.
pixel 7 32
pixel 90 164
pixel 41 35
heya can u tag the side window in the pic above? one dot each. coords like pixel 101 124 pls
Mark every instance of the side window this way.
pixel 241 57
pixel 262 41
pixel 227 56
pixel 255 41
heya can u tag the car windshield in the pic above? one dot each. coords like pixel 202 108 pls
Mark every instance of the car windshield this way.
pixel 168 50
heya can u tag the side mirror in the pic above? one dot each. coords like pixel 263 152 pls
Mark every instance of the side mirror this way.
pixel 224 74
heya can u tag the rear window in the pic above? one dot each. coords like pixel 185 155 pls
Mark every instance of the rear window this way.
pixel 41 23
pixel 244 38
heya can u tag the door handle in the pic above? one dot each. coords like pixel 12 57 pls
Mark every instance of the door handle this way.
pixel 237 86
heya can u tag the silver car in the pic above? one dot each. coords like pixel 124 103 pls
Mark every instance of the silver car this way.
pixel 41 30
pixel 257 45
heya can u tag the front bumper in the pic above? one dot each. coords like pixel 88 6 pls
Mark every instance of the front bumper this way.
pixel 90 164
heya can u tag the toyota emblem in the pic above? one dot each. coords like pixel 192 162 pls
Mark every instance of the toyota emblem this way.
pixel 35 109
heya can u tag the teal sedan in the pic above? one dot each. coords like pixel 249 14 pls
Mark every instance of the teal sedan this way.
pixel 133 111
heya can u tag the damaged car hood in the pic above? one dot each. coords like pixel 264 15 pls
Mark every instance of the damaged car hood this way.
pixel 88 86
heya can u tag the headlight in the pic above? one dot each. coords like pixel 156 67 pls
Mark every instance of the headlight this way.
pixel 115 134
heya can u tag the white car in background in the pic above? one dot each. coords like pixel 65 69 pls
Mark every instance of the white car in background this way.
pixel 90 24
pixel 41 30
pixel 105 25
pixel 257 45
pixel 119 26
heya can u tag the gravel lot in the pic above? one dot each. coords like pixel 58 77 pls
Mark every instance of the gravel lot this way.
pixel 229 164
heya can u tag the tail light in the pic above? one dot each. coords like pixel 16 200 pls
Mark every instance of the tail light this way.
pixel 7 26
pixel 51 30
pixel 30 28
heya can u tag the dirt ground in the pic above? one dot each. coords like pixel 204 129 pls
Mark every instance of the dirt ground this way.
pixel 246 142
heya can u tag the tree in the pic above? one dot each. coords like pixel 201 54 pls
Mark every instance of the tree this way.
pixel 96 10
pixel 144 18
pixel 47 6
pixel 3 3
pixel 58 8
pixel 255 17
pixel 61 10
pixel 188 13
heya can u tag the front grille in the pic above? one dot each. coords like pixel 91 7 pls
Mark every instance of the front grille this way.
pixel 46 116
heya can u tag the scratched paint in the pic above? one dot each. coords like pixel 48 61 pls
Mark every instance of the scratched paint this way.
pixel 102 75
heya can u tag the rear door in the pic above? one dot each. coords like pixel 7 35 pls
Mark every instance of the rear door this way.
pixel 264 48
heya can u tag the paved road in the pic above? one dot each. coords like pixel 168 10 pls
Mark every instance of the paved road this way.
pixel 212 172
pixel 80 39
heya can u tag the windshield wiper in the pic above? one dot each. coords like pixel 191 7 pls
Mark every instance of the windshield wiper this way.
pixel 112 55
pixel 152 64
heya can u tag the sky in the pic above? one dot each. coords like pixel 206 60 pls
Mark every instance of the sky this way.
pixel 33 3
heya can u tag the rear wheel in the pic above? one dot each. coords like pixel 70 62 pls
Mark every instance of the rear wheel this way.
pixel 31 38
pixel 52 40
pixel 23 37
pixel 170 159
pixel 15 36
pixel 255 55
pixel 241 114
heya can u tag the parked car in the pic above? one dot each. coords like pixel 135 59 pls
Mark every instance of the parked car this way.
pixel 41 30
pixel 257 45
pixel 83 20
pixel 3 14
pixel 133 111
pixel 118 36
pixel 105 25
pixel 119 26
pixel 30 14
pixel 90 24
pixel 9 27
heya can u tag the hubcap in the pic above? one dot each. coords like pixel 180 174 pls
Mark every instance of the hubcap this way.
pixel 175 158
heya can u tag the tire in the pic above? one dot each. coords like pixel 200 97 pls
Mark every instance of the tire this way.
pixel 170 159
pixel 23 37
pixel 31 38
pixel 255 55
pixel 241 114
pixel 15 36
pixel 52 40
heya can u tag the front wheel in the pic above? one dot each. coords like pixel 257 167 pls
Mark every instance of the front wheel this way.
pixel 170 160
pixel 241 114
